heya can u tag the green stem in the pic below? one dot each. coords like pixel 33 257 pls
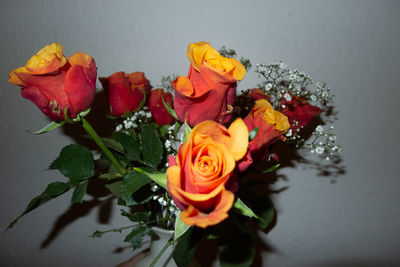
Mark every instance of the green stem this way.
pixel 169 243
pixel 99 142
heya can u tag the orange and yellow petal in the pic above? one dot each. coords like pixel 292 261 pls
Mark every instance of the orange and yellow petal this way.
pixel 192 216
pixel 48 59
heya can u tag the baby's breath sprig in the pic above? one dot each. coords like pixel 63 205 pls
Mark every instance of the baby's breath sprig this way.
pixel 280 81
pixel 166 82
pixel 142 116
pixel 324 142
pixel 169 210
pixel 293 134
pixel 173 138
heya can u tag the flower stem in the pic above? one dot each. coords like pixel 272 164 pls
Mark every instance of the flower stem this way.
pixel 89 129
pixel 169 242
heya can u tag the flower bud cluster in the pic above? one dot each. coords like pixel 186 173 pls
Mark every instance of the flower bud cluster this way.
pixel 142 116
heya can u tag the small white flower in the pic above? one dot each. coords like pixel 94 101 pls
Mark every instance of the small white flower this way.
pixel 172 202
pixel 289 133
pixel 283 65
pixel 148 115
pixel 332 138
pixel 155 197
pixel 327 158
pixel 141 112
pixel 268 86
pixel 154 188
pixel 262 69
pixel 128 125
pixel 319 129
pixel 167 144
pixel 313 97
pixel 319 150
pixel 118 128
pixel 287 97
pixel 293 77
pixel 324 94
pixel 171 209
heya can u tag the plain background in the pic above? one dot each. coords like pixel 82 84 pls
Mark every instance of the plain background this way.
pixel 349 220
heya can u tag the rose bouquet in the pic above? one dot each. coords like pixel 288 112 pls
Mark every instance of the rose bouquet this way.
pixel 192 156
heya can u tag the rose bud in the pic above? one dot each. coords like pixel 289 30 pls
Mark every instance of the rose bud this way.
pixel 297 108
pixel 158 112
pixel 271 126
pixel 125 92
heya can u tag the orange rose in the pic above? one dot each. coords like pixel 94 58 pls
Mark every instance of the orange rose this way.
pixel 204 164
pixel 208 91
pixel 271 125
pixel 56 85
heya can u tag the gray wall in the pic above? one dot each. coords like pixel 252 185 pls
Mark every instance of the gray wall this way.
pixel 350 220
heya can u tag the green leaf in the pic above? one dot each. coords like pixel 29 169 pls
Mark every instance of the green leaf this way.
pixel 75 162
pixel 253 133
pixel 130 144
pixel 264 208
pixel 180 227
pixel 169 109
pixel 53 190
pixel 244 209
pixel 132 182
pixel 110 176
pixel 236 250
pixel 137 216
pixel 159 178
pixel 56 188
pixel 273 168
pixel 79 192
pixel 152 147
pixel 186 246
pixel 135 237
pixel 186 131
pixel 115 188
pixel 113 144
pixel 49 127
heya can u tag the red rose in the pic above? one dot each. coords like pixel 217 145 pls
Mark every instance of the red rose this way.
pixel 208 92
pixel 156 106
pixel 298 109
pixel 56 85
pixel 257 94
pixel 125 92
